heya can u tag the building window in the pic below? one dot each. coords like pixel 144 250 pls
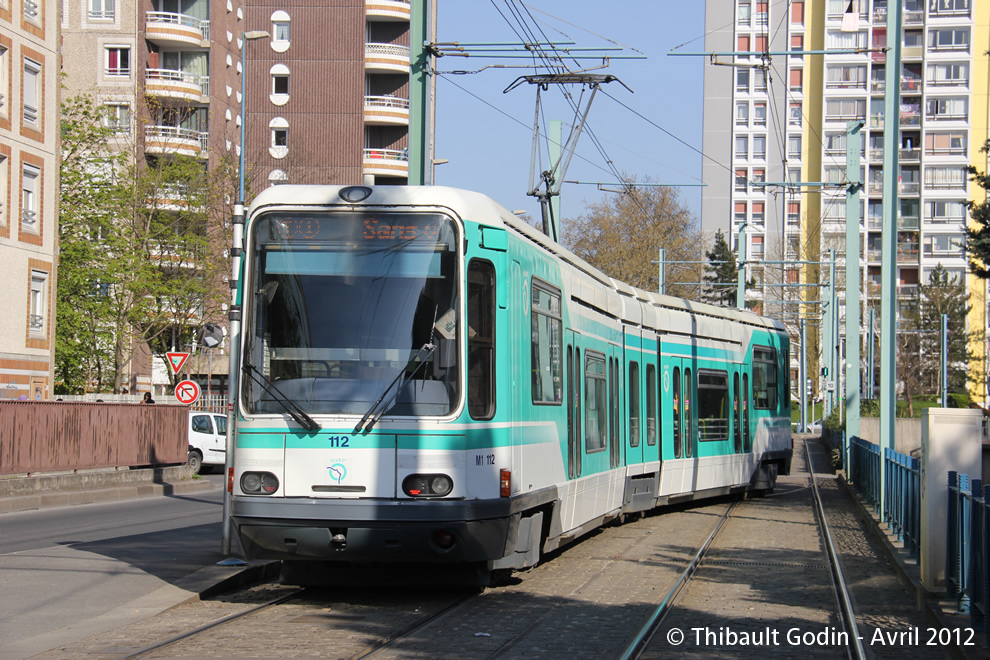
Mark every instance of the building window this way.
pixel 742 114
pixel 32 92
pixel 947 39
pixel 946 212
pixel 277 177
pixel 742 147
pixel 742 181
pixel 38 304
pixel 117 61
pixel 118 117
pixel 739 216
pixel 101 10
pixel 32 11
pixel 759 80
pixel 745 12
pixel 797 13
pixel 949 8
pixel 547 330
pixel 797 45
pixel 795 115
pixel 760 147
pixel 742 80
pixel 759 114
pixel 845 109
pixel 279 147
pixel 759 217
pixel 949 73
pixel 30 175
pixel 797 80
pixel 945 144
pixel 280 31
pixel 794 146
pixel 759 176
pixel 761 43
pixel 280 84
pixel 949 109
pixel 4 82
pixel 945 178
pixel 742 45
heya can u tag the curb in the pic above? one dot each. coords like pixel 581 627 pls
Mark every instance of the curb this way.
pixel 51 499
pixel 935 607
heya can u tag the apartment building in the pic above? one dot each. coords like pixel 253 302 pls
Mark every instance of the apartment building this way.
pixel 781 119
pixel 29 79
pixel 328 93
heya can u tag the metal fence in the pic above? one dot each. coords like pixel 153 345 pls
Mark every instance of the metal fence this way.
pixel 902 488
pixel 967 557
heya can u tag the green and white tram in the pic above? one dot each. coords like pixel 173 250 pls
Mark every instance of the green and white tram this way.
pixel 424 378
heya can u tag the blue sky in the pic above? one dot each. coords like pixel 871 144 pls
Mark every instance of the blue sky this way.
pixel 486 135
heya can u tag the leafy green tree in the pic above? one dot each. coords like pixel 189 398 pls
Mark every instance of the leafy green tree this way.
pixel 622 235
pixel 142 240
pixel 89 196
pixel 721 274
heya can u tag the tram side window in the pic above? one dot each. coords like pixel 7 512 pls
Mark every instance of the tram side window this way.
pixel 595 403
pixel 651 405
pixel 764 378
pixel 547 330
pixel 634 404
pixel 677 412
pixel 481 339
pixel 713 405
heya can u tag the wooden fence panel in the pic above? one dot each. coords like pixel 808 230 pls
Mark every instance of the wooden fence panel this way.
pixel 54 436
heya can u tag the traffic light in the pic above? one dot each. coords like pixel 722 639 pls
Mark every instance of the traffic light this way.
pixel 824 372
pixel 810 391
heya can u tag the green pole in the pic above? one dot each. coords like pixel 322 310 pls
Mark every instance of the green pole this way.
pixel 888 258
pixel 419 92
pixel 741 253
pixel 804 376
pixel 854 138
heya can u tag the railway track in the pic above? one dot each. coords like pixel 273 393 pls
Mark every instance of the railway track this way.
pixel 850 638
pixel 729 564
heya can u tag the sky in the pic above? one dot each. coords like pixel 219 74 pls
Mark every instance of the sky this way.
pixel 486 135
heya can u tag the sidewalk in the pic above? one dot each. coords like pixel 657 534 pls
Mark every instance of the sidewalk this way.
pixel 939 611
pixel 30 492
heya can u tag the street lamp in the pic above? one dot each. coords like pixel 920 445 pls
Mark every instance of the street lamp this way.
pixel 245 36
pixel 234 316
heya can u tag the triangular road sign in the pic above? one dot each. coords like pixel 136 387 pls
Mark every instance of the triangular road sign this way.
pixel 176 360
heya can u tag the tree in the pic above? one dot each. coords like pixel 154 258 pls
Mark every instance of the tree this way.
pixel 140 241
pixel 622 234
pixel 978 237
pixel 722 274
pixel 88 191
pixel 945 295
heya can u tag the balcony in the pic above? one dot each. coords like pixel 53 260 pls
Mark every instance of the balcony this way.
pixel 386 111
pixel 907 253
pixel 177 85
pixel 176 140
pixel 907 290
pixel 167 28
pixel 386 162
pixel 386 58
pixel 386 10
pixel 908 188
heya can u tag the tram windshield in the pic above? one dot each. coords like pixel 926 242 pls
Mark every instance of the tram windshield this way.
pixel 338 306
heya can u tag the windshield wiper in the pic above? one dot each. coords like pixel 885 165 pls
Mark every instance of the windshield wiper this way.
pixel 378 408
pixel 295 412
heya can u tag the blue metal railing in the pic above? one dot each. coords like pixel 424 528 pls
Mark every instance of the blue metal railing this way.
pixel 967 552
pixel 903 498
pixel 902 488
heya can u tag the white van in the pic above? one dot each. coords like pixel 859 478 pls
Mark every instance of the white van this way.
pixel 207 439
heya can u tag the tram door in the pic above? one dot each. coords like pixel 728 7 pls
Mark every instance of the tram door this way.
pixel 572 366
pixel 633 386
pixel 679 377
pixel 651 402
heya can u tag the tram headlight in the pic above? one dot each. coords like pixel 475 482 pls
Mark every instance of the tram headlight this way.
pixel 427 485
pixel 259 483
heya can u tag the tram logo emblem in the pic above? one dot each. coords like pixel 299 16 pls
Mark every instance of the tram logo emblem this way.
pixel 337 472
pixel 666 380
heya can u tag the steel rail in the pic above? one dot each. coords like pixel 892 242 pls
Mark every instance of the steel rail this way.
pixel 213 624
pixel 855 647
pixel 646 633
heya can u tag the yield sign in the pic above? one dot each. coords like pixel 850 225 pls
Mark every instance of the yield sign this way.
pixel 176 360
pixel 187 392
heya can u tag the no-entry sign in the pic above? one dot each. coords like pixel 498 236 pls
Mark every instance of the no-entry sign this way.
pixel 187 392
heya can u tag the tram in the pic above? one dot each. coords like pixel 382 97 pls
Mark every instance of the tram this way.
pixel 423 378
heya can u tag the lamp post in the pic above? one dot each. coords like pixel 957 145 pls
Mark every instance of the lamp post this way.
pixel 234 316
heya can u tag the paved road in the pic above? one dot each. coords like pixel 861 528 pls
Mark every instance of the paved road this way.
pixel 71 572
